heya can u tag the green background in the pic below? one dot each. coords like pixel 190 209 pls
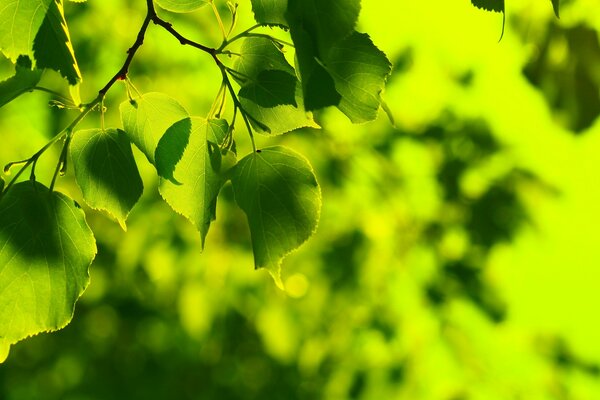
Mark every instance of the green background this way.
pixel 456 257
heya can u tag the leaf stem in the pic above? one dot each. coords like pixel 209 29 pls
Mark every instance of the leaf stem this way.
pixel 219 20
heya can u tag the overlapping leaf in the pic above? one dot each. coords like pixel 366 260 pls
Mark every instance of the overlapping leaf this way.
pixel 160 127
pixel 489 5
pixel 181 6
pixel 106 171
pixel 199 174
pixel 359 70
pixel 52 46
pixel 20 21
pixel 270 91
pixel 270 12
pixel 46 248
pixel 24 80
pixel 279 193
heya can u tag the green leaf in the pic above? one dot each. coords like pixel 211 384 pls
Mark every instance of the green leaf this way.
pixel 489 5
pixel 315 26
pixel 359 70
pixel 146 119
pixel 270 12
pixel 20 21
pixel 23 81
pixel 106 172
pixel 181 6
pixel 200 173
pixel 171 146
pixel 278 191
pixel 270 91
pixel 52 45
pixel 46 248
pixel 555 6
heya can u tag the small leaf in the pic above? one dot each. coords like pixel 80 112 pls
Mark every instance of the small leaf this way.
pixel 181 6
pixel 23 81
pixel 490 5
pixel 279 193
pixel 270 92
pixel 146 119
pixel 359 70
pixel 52 46
pixel 270 12
pixel 106 172
pixel 171 146
pixel 200 173
pixel 46 248
pixel 20 21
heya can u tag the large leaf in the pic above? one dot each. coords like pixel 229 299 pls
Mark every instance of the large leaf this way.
pixel 359 70
pixel 20 21
pixel 147 119
pixel 270 12
pixel 23 81
pixel 270 91
pixel 181 6
pixel 46 248
pixel 278 191
pixel 52 46
pixel 106 171
pixel 199 173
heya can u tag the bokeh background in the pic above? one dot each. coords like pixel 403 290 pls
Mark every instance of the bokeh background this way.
pixel 457 255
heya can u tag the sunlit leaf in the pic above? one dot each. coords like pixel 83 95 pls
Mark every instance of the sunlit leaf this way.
pixel 199 174
pixel 270 12
pixel 20 21
pixel 24 80
pixel 270 91
pixel 52 46
pixel 106 171
pixel 147 118
pixel 278 191
pixel 46 248
pixel 181 6
pixel 359 70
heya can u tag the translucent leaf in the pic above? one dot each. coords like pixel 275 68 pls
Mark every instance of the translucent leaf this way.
pixel 199 173
pixel 181 6
pixel 270 12
pixel 278 191
pixel 20 21
pixel 315 26
pixel 23 81
pixel 270 91
pixel 52 46
pixel 106 172
pixel 46 248
pixel 359 70
pixel 146 119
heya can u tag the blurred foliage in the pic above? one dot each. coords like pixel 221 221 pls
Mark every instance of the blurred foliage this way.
pixel 456 256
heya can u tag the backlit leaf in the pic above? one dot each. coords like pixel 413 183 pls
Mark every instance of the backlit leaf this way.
pixel 20 21
pixel 270 91
pixel 24 80
pixel 181 6
pixel 146 119
pixel 359 70
pixel 270 12
pixel 278 191
pixel 46 248
pixel 106 171
pixel 199 174
pixel 52 46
